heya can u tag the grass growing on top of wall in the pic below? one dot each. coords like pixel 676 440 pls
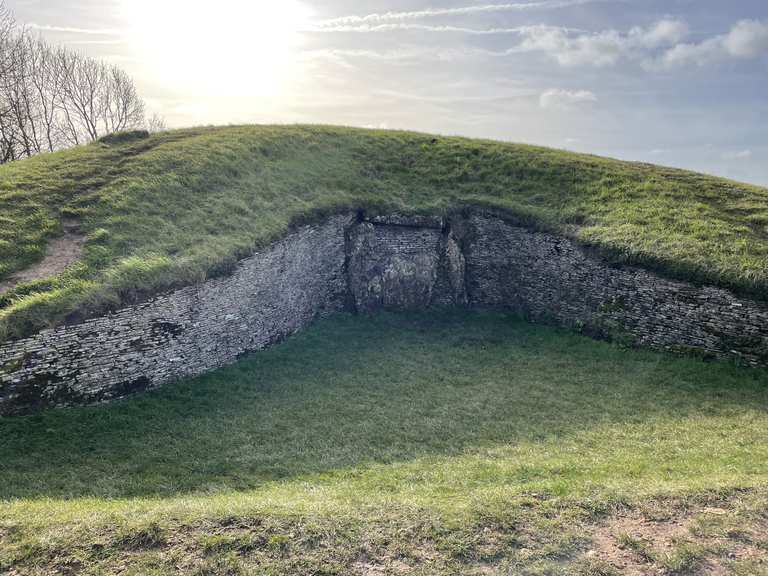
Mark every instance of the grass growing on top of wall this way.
pixel 449 443
pixel 177 207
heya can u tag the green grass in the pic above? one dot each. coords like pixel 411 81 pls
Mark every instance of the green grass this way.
pixel 448 443
pixel 177 207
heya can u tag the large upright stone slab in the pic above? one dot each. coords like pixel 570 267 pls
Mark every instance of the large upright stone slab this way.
pixel 403 263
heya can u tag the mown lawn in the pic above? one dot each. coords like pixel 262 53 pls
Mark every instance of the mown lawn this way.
pixel 177 207
pixel 449 443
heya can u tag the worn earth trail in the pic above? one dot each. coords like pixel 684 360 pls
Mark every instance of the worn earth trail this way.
pixel 60 253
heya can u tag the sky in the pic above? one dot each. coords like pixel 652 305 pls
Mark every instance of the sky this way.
pixel 673 82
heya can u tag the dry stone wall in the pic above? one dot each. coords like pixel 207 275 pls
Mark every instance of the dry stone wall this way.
pixel 270 296
pixel 550 278
pixel 367 264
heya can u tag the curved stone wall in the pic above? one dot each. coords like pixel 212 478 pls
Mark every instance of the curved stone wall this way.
pixel 546 277
pixel 364 265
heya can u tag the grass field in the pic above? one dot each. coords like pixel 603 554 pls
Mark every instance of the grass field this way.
pixel 450 443
pixel 176 207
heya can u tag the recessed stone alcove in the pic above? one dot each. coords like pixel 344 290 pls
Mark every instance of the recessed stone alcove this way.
pixel 364 264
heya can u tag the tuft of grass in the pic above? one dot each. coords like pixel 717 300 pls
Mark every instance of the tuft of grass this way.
pixel 148 535
pixel 219 543
pixel 594 567
pixel 640 547
pixel 165 210
pixel 684 559
pixel 124 137
pixel 222 565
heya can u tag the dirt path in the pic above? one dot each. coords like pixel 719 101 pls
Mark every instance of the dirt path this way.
pixel 60 253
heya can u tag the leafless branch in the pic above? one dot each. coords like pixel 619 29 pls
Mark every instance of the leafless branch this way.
pixel 51 98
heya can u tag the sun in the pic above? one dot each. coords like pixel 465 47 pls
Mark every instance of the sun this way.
pixel 220 47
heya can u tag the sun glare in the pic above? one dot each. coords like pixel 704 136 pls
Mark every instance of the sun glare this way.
pixel 220 48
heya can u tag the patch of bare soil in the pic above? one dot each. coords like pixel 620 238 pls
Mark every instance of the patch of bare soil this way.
pixel 423 555
pixel 638 545
pixel 60 253
pixel 629 543
pixel 381 569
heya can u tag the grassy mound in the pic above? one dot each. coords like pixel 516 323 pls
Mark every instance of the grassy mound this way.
pixel 455 443
pixel 170 209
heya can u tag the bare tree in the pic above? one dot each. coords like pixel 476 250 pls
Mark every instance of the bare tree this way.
pixel 83 79
pixel 46 85
pixel 156 123
pixel 7 131
pixel 96 99
pixel 51 98
pixel 122 105
pixel 17 86
pixel 7 26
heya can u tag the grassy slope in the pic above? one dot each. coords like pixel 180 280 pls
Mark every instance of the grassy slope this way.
pixel 179 206
pixel 456 443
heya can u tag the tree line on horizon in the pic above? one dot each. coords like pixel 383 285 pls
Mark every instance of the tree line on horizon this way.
pixel 52 97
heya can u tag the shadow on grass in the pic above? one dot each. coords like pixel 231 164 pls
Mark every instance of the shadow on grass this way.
pixel 354 391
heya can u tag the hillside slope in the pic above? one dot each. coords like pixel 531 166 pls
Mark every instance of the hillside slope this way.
pixel 173 208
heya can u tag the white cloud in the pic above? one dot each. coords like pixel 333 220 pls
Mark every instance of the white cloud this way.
pixel 565 99
pixel 738 155
pixel 682 54
pixel 599 49
pixel 456 11
pixel 365 28
pixel 407 55
pixel 664 33
pixel 344 57
pixel 746 39
pixel 657 47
